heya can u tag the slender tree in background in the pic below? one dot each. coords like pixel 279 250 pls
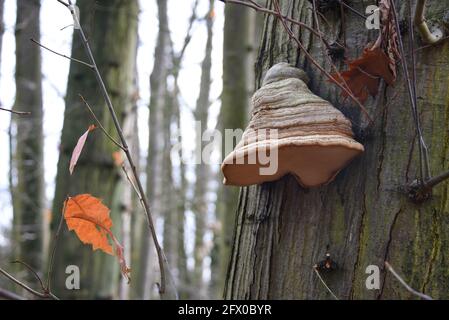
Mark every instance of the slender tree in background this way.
pixel 128 203
pixel 27 141
pixel 237 76
pixel 364 217
pixel 2 28
pixel 202 170
pixel 155 161
pixel 112 31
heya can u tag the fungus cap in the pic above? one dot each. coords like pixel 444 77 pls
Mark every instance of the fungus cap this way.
pixel 291 131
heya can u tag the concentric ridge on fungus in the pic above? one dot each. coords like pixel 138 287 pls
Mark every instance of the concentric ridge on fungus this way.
pixel 314 140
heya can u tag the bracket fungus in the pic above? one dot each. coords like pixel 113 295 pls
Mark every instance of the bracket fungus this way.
pixel 291 131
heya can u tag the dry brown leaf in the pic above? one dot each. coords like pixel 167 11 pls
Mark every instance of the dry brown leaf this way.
pixel 89 218
pixel 364 74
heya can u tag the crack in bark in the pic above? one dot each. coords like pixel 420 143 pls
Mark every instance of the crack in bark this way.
pixel 387 250
pixel 382 146
pixel 361 230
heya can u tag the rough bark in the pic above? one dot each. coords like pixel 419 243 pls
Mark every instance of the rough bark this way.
pixel 237 47
pixel 364 217
pixel 202 169
pixel 112 30
pixel 28 143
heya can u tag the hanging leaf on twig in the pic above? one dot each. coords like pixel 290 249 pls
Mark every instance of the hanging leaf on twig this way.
pixel 365 73
pixel 377 62
pixel 79 148
pixel 89 218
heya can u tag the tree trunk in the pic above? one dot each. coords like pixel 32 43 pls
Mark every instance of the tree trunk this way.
pixel 111 27
pixel 2 27
pixel 129 204
pixel 364 217
pixel 155 162
pixel 28 143
pixel 202 169
pixel 237 47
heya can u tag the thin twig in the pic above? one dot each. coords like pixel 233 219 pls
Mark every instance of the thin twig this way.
pixel 55 241
pixel 8 295
pixel 424 156
pixel 99 123
pixel 333 66
pixel 279 15
pixel 62 55
pixel 314 62
pixel 188 37
pixel 131 182
pixel 432 45
pixel 27 288
pixel 38 278
pixel 413 102
pixel 357 13
pixel 406 286
pixel 144 200
pixel 324 283
pixel 19 113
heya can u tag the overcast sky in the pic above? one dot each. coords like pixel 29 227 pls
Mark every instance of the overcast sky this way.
pixel 55 17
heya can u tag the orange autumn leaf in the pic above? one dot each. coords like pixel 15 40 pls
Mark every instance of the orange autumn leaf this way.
pixel 365 73
pixel 79 148
pixel 89 218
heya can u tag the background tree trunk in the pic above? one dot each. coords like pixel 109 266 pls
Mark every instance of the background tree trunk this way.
pixel 28 143
pixel 364 217
pixel 155 161
pixel 238 50
pixel 2 27
pixel 112 31
pixel 202 169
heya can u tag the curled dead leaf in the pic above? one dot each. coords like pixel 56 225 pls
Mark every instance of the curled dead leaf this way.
pixel 79 148
pixel 89 218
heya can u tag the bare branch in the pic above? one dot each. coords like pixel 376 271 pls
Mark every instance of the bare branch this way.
pixel 413 102
pixel 406 286
pixel 53 253
pixel 314 62
pixel 19 113
pixel 131 182
pixel 38 278
pixel 324 283
pixel 259 8
pixel 27 288
pixel 8 295
pixel 162 260
pixel 99 123
pixel 63 55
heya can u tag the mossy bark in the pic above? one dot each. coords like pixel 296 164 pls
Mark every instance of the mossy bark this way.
pixel 27 170
pixel 364 217
pixel 233 115
pixel 111 27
